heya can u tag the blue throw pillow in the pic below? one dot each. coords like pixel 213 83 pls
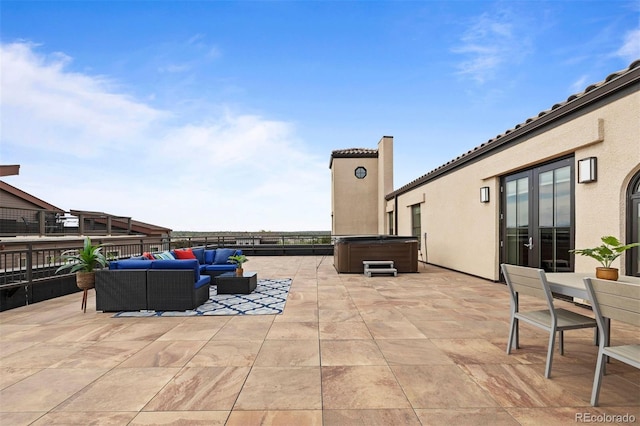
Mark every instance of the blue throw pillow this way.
pixel 222 256
pixel 209 256
pixel 199 254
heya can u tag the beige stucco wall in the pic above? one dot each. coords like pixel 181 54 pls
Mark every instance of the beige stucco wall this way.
pixel 601 206
pixel 354 202
pixel 463 234
pixel 385 177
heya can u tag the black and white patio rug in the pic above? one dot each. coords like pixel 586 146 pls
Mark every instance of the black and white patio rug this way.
pixel 268 298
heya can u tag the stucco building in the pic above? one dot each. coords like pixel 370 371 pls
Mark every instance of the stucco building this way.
pixel 557 181
pixel 360 179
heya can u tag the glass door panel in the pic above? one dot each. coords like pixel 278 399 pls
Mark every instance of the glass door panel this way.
pixel 554 219
pixel 517 220
pixel 633 264
pixel 636 270
pixel 538 217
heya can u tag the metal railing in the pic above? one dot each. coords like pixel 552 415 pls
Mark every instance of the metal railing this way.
pixel 31 222
pixel 28 263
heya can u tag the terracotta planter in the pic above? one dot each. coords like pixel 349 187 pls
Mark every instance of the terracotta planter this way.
pixel 239 272
pixel 85 280
pixel 607 273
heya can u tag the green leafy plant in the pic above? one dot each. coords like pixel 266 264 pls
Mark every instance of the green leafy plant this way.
pixel 238 259
pixel 85 259
pixel 606 253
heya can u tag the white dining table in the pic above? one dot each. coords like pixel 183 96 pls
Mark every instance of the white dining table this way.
pixel 572 284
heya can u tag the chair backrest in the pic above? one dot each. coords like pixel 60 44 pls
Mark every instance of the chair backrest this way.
pixel 529 281
pixel 615 300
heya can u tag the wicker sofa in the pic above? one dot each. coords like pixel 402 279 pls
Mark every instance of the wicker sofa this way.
pixel 159 285
pixel 175 280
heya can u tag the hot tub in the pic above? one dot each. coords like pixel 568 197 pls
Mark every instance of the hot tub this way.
pixel 349 252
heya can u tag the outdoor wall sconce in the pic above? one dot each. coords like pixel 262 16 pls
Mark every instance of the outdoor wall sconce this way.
pixel 484 194
pixel 587 170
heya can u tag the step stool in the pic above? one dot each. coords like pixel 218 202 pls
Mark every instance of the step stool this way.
pixel 379 267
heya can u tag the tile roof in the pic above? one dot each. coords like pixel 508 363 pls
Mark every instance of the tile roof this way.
pixel 593 92
pixel 353 153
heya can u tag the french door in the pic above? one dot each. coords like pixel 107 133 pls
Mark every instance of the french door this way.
pixel 537 214
pixel 633 227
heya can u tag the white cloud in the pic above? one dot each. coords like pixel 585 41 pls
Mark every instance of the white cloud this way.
pixel 198 41
pixel 630 49
pixel 193 53
pixel 490 42
pixel 82 144
pixel 47 108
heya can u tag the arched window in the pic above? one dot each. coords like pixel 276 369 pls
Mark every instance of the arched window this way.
pixel 633 227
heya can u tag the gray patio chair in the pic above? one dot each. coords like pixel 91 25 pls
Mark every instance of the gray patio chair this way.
pixel 616 301
pixel 533 282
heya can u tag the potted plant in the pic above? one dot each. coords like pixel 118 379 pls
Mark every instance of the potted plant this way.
pixel 606 253
pixel 83 262
pixel 238 259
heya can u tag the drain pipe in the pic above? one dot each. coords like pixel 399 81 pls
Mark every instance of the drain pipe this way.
pixel 395 215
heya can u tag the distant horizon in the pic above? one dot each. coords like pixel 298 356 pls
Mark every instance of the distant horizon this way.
pixel 252 232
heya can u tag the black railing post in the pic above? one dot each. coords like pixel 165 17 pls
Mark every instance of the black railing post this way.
pixel 29 264
pixel 29 271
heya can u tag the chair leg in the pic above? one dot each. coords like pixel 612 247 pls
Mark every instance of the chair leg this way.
pixel 512 328
pixel 561 342
pixel 607 324
pixel 552 341
pixel 597 380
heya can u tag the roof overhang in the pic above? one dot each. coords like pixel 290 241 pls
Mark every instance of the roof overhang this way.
pixel 11 170
pixel 353 153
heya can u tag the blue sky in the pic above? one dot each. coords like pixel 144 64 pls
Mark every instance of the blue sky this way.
pixel 221 116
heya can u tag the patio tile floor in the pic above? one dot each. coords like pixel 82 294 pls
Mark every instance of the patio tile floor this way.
pixel 426 348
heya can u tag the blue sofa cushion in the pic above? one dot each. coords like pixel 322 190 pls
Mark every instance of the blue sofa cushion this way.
pixel 199 254
pixel 222 256
pixel 204 280
pixel 224 267
pixel 130 264
pixel 209 256
pixel 178 264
